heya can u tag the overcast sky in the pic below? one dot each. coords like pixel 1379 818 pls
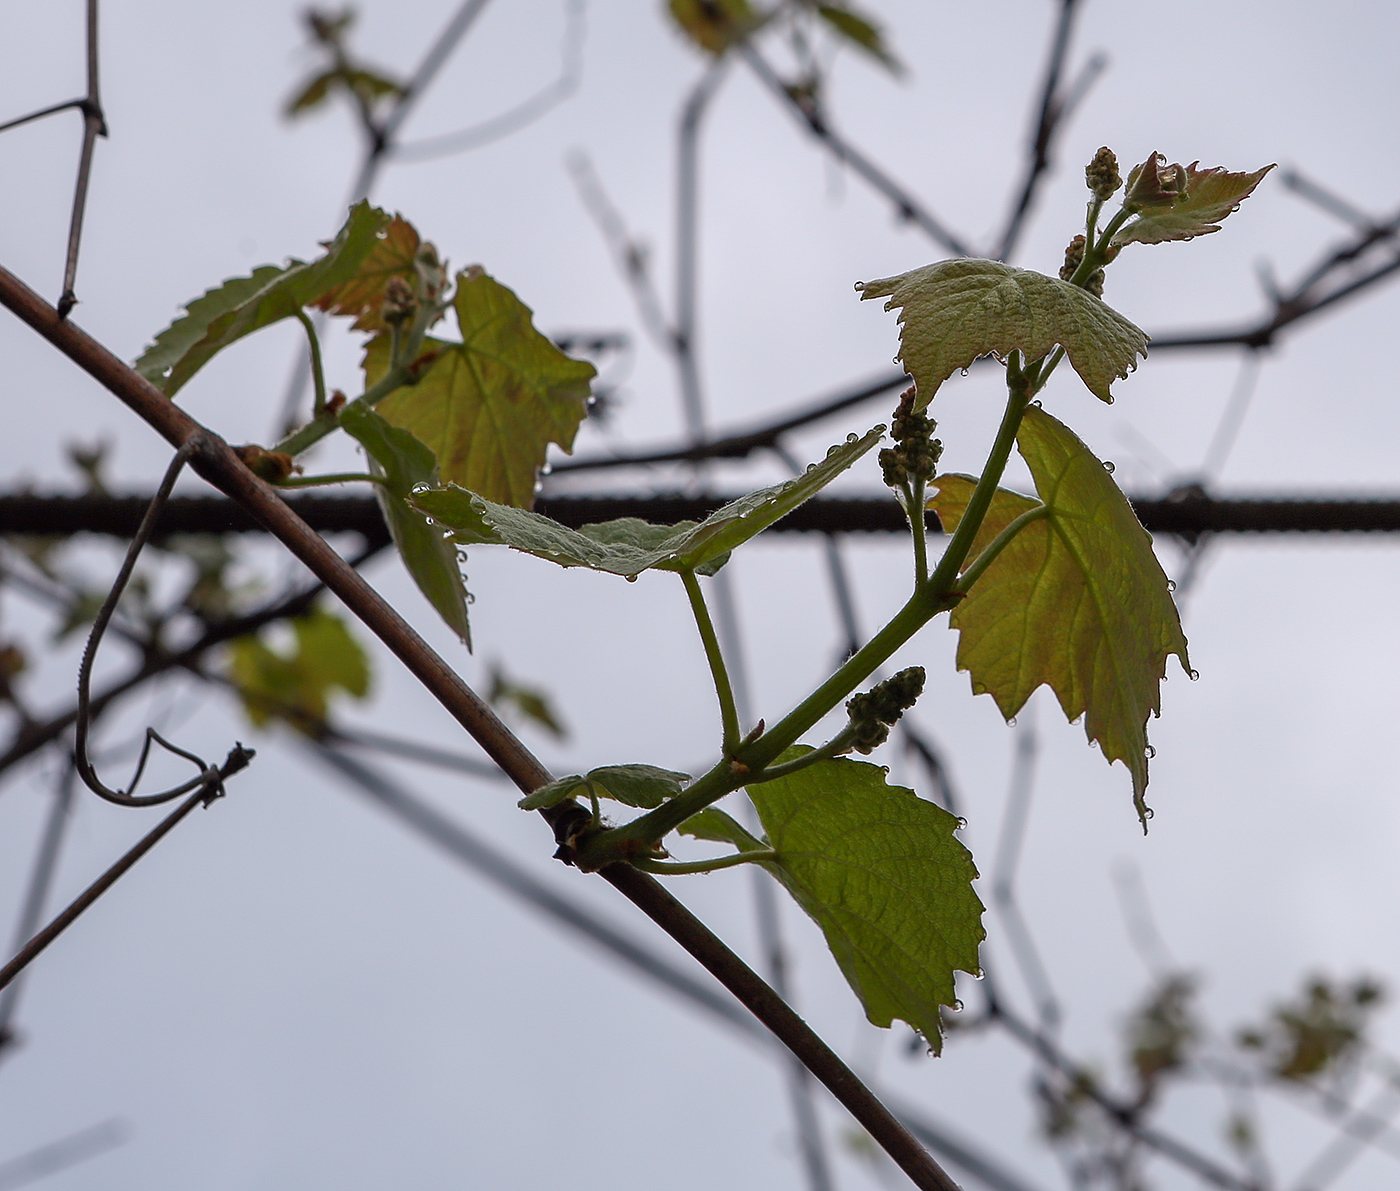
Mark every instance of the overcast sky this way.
pixel 294 990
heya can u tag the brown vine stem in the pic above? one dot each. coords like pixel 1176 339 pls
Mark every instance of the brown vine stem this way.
pixel 214 459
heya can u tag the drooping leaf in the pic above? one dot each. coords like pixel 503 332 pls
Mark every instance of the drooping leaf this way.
pixel 954 311
pixel 642 786
pixel 243 305
pixel 714 825
pixel 1191 202
pixel 296 686
pixel 628 546
pixel 1076 601
pixel 312 95
pixel 860 31
pixel 713 25
pixel 880 871
pixel 363 294
pixel 427 554
pixel 529 701
pixel 489 407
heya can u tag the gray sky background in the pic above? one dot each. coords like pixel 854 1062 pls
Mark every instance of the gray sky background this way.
pixel 294 991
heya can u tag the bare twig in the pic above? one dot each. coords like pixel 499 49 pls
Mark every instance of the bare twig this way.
pixel 60 1155
pixel 211 787
pixel 513 119
pixel 816 122
pixel 94 126
pixel 1048 121
pixel 37 892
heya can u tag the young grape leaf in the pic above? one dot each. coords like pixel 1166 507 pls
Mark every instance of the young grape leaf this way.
pixel 1191 203
pixel 642 786
pixel 714 825
pixel 243 305
pixel 531 702
pixel 363 294
pixel 860 31
pixel 954 311
pixel 713 25
pixel 628 546
pixel 1076 601
pixel 427 555
pixel 489 407
pixel 880 871
pixel 296 686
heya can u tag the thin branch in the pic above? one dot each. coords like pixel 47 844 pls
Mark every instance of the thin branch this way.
pixel 683 340
pixel 743 443
pixel 1052 109
pixel 211 788
pixel 37 893
pixel 94 126
pixel 815 121
pixel 515 118
pixel 1125 1115
pixel 629 256
pixel 216 462
pixel 66 105
pixel 1324 199
pixel 59 1155
pixel 34 736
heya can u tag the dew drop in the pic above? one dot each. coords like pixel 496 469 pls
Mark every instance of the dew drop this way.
pixel 1171 584
pixel 1037 403
pixel 382 234
pixel 811 467
pixel 1193 675
pixel 963 371
pixel 1011 723
pixel 546 469
pixel 471 599
pixel 631 578
pixel 1108 466
pixel 1151 752
pixel 852 437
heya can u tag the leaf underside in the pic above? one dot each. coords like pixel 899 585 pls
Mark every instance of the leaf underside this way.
pixel 955 311
pixel 643 786
pixel 1076 601
pixel 1211 195
pixel 629 546
pixel 489 407
pixel 880 871
pixel 428 556
pixel 242 305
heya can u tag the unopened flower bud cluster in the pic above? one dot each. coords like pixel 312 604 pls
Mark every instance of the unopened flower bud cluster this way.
pixel 916 452
pixel 873 712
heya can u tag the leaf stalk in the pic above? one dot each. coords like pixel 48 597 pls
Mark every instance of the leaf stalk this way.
pixel 724 689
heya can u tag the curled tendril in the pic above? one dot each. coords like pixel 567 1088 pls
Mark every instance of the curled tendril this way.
pixel 210 779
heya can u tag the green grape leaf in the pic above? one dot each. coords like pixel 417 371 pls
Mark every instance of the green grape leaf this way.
pixel 714 825
pixel 297 686
pixel 427 555
pixel 1076 601
pixel 954 311
pixel 860 31
pixel 489 407
pixel 1182 202
pixel 243 305
pixel 628 546
pixel 713 25
pixel 529 701
pixel 642 786
pixel 880 871
pixel 363 294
